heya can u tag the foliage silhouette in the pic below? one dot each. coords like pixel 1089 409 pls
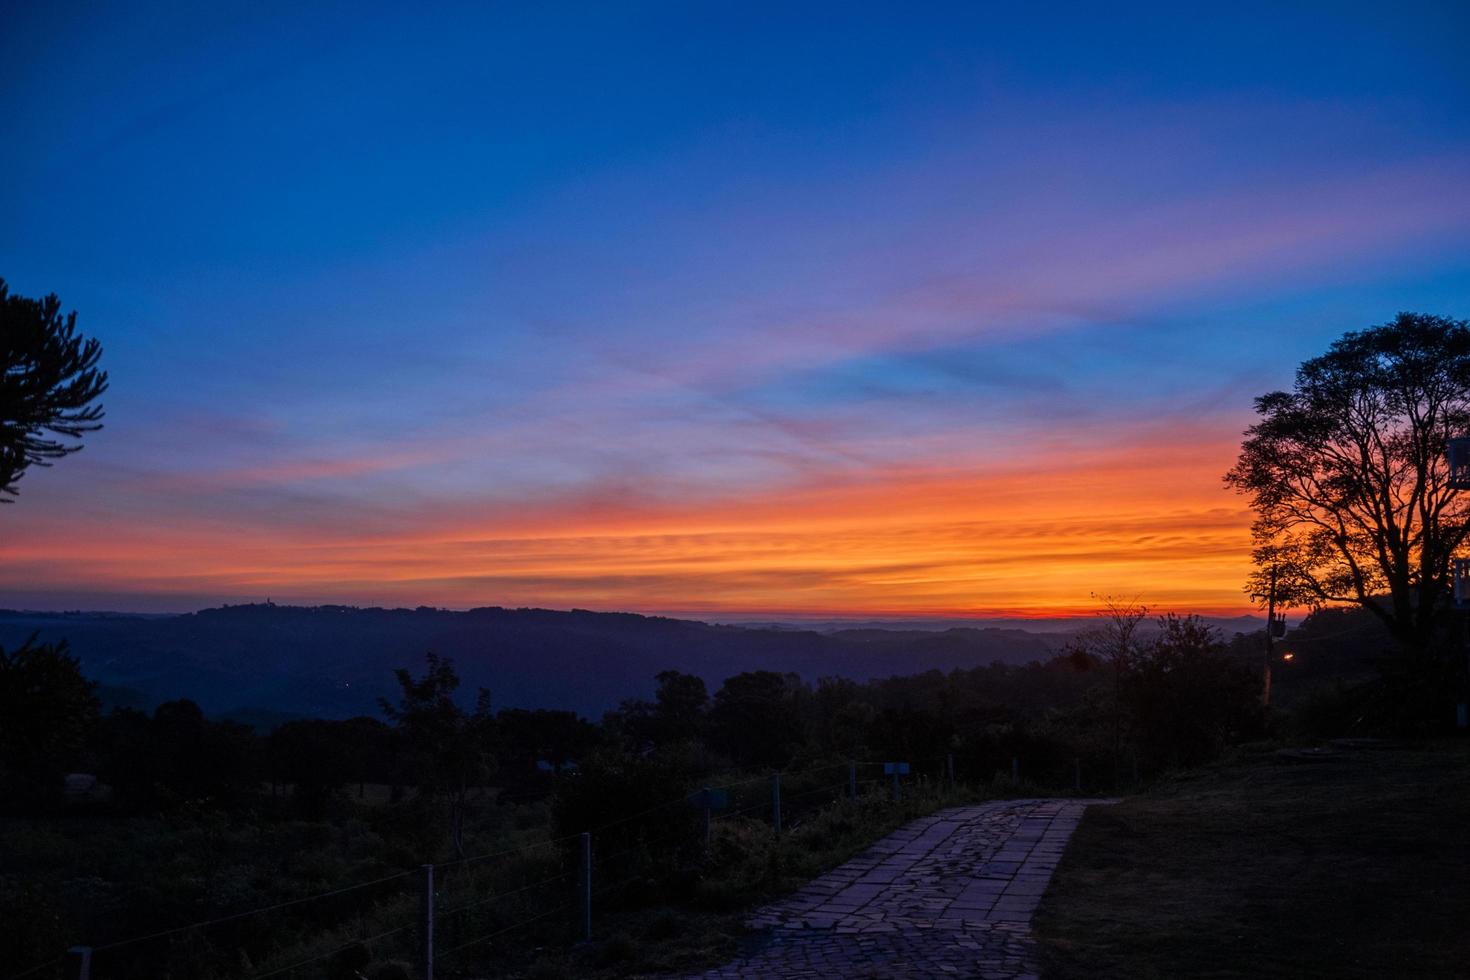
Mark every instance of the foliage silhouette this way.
pixel 450 748
pixel 1348 477
pixel 46 710
pixel 756 717
pixel 48 383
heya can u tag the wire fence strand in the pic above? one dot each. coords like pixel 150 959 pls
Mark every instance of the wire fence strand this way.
pixel 250 912
pixel 331 952
pixel 32 971
pixel 505 894
pixel 458 862
pixel 500 932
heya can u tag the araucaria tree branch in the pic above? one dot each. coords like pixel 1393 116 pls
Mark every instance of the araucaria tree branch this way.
pixel 49 382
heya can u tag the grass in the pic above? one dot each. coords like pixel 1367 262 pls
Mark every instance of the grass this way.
pixel 1356 866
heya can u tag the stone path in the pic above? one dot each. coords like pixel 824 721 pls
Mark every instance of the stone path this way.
pixel 950 895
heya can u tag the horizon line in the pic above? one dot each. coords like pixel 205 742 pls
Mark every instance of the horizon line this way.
pixel 711 617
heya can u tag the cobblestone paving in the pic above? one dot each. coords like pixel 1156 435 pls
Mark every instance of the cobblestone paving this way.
pixel 950 895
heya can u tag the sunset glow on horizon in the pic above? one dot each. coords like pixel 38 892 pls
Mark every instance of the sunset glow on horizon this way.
pixel 1032 541
pixel 942 317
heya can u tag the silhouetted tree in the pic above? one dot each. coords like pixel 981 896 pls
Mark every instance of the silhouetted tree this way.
pixel 449 748
pixel 681 701
pixel 128 758
pixel 46 710
pixel 366 744
pixel 1114 640
pixel 1186 698
pixel 677 713
pixel 528 737
pixel 48 382
pixel 756 717
pixel 1347 474
pixel 200 760
pixel 313 756
pixel 841 719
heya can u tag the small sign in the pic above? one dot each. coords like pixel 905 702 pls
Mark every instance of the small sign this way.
pixel 710 799
pixel 901 768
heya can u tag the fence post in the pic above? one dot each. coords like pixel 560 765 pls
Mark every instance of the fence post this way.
pixel 896 791
pixel 586 883
pixel 428 912
pixel 1077 774
pixel 1015 769
pixel 949 770
pixel 704 797
pixel 776 801
pixel 852 779
pixel 79 963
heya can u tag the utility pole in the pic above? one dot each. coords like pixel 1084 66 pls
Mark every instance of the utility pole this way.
pixel 1270 641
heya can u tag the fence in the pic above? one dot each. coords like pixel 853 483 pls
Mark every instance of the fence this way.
pixel 437 912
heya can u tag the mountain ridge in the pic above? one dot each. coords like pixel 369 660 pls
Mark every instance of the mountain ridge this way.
pixel 336 661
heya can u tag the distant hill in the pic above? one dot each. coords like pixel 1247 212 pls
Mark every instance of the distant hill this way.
pixel 1227 625
pixel 334 661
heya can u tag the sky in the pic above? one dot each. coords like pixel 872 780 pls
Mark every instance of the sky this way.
pixel 724 310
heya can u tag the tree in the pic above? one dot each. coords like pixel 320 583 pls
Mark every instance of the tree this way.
pixel 1186 697
pixel 312 755
pixel 677 713
pixel 756 717
pixel 48 383
pixel 1348 477
pixel 1115 641
pixel 46 710
pixel 681 700
pixel 531 737
pixel 450 747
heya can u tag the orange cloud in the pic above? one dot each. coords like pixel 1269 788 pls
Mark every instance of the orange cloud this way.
pixel 1036 538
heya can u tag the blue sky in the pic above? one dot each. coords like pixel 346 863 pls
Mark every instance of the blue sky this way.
pixel 442 276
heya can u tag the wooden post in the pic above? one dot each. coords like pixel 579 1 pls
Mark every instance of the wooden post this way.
pixel 428 920
pixel 705 794
pixel 852 779
pixel 1077 774
pixel 1015 769
pixel 949 769
pixel 586 889
pixel 896 792
pixel 776 801
pixel 78 963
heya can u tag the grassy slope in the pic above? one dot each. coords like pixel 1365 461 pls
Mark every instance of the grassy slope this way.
pixel 1354 867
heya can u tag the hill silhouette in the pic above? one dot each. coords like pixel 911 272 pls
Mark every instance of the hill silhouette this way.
pixel 265 661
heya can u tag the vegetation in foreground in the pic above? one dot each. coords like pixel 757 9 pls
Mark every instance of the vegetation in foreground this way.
pixel 691 918
pixel 1357 865
pixel 202 819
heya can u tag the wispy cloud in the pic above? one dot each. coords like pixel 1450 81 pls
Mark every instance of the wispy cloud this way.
pixel 948 323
